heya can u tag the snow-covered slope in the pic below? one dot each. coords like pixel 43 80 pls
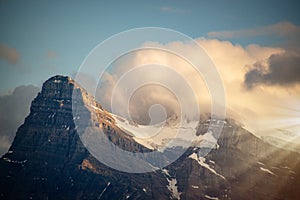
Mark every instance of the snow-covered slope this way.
pixel 166 135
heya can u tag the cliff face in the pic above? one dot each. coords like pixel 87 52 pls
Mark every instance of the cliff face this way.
pixel 47 159
pixel 49 130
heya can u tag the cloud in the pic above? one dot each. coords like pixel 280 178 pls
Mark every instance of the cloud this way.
pixel 16 108
pixel 147 95
pixel 169 9
pixel 282 69
pixel 282 29
pixel 9 54
pixel 228 58
pixel 256 108
pixel 261 109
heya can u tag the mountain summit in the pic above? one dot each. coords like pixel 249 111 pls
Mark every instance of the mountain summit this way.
pixel 47 159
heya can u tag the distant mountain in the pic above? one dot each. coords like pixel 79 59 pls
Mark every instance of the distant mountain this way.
pixel 47 159
pixel 14 108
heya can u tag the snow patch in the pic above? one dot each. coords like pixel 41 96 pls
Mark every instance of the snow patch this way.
pixel 172 187
pixel 166 172
pixel 104 190
pixel 211 161
pixel 266 170
pixel 212 198
pixel 260 163
pixel 14 161
pixel 201 162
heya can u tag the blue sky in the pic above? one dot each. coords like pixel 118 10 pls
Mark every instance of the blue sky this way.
pixel 53 37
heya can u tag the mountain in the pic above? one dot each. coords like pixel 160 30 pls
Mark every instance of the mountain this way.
pixel 47 159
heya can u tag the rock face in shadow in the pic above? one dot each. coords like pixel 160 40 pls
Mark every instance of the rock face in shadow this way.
pixel 47 159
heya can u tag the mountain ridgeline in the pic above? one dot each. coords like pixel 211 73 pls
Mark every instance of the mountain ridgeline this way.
pixel 47 159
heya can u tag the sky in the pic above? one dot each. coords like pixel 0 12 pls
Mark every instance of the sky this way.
pixel 54 37
pixel 254 44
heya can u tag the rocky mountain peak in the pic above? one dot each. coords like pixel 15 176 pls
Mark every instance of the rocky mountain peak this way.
pixel 49 129
pixel 52 126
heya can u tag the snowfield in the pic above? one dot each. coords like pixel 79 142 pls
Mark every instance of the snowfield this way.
pixel 163 135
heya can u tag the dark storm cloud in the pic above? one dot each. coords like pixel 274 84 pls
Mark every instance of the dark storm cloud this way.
pixel 283 69
pixel 14 108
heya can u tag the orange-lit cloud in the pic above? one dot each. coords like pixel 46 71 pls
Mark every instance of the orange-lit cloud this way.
pixel 255 108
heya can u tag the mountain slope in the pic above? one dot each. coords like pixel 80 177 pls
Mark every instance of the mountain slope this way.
pixel 47 159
